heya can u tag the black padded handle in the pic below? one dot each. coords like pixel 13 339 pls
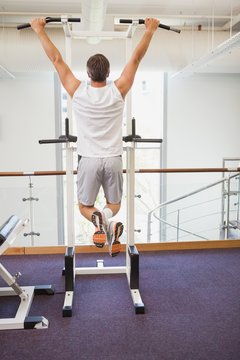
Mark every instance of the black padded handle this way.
pixel 52 141
pixel 23 26
pixel 137 138
pixel 61 140
pixel 48 20
pixel 142 21
pixel 147 140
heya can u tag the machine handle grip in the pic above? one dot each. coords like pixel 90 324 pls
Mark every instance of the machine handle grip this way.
pixel 142 21
pixel 140 140
pixel 52 141
pixel 48 20
pixel 23 26
pixel 61 140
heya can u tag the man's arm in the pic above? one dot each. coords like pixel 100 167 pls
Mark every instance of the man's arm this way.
pixel 68 80
pixel 126 79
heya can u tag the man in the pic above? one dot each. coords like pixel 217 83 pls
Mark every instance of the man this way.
pixel 98 109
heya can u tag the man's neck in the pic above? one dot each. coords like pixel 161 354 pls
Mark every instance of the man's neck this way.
pixel 98 84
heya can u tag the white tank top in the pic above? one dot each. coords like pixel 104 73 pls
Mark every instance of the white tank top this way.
pixel 98 114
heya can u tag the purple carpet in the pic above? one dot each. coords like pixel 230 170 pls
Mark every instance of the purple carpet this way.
pixel 192 309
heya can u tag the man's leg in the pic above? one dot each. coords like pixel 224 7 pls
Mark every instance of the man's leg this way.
pixel 113 188
pixel 109 211
pixel 114 208
pixel 114 229
pixel 87 211
pixel 88 185
pixel 96 217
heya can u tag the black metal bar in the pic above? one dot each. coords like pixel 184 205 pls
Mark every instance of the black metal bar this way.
pixel 133 128
pixel 142 21
pixel 147 140
pixel 67 127
pixel 134 267
pixel 69 269
pixel 48 20
pixel 53 19
pixel 52 141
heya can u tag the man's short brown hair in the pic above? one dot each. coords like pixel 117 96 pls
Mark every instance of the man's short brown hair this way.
pixel 98 68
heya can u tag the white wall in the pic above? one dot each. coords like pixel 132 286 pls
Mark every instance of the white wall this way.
pixel 203 120
pixel 27 115
pixel 203 128
pixel 168 51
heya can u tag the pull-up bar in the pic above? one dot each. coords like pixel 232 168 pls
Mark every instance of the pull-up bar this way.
pixel 142 21
pixel 121 21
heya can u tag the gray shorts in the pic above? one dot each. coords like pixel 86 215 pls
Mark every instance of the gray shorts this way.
pixel 96 172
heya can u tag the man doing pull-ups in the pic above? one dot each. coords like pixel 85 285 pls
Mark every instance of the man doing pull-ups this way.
pixel 98 109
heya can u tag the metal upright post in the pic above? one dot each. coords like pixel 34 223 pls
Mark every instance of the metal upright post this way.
pixel 70 253
pixel 132 256
pixel 163 161
pixel 32 233
pixel 69 147
pixel 130 220
pixel 222 234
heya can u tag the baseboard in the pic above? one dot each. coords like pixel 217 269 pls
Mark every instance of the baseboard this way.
pixel 193 245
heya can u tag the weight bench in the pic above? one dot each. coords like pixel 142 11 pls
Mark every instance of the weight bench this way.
pixel 8 233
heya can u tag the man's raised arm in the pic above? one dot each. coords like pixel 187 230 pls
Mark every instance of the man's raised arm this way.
pixel 68 80
pixel 126 79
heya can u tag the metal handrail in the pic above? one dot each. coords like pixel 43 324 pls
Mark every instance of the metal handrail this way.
pixel 195 218
pixel 143 171
pixel 192 193
pixel 181 198
pixel 184 222
pixel 162 170
pixel 193 205
pixel 178 227
pixel 205 230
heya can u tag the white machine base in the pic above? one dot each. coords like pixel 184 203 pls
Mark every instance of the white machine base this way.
pixel 100 269
pixel 21 319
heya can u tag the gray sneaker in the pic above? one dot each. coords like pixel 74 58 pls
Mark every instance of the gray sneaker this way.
pixel 115 230
pixel 99 236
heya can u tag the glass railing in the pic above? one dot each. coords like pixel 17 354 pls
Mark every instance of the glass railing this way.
pixel 204 213
pixel 198 206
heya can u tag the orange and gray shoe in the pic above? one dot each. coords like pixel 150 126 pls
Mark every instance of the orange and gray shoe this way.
pixel 115 231
pixel 100 236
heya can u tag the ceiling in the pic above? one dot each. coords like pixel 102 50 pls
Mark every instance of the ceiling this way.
pixel 221 6
pixel 210 15
pixel 181 12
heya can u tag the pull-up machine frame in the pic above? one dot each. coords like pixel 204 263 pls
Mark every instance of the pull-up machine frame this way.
pixel 131 269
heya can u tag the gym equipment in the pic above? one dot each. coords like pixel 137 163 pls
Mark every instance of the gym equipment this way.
pixel 8 233
pixel 131 269
pixel 121 21
pixel 132 256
